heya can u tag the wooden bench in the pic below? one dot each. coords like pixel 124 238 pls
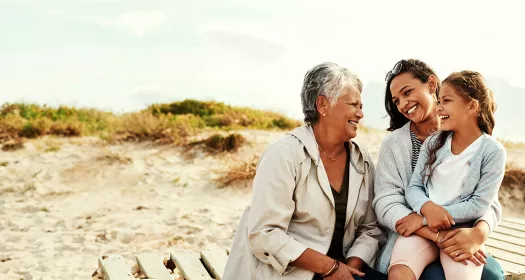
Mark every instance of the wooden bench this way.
pixel 506 244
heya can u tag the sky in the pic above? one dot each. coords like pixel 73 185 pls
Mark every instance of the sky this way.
pixel 122 55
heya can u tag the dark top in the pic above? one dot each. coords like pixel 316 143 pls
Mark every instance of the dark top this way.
pixel 341 201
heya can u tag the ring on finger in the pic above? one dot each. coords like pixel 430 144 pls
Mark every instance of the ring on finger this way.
pixel 457 253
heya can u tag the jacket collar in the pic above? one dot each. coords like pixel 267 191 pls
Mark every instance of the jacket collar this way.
pixel 305 135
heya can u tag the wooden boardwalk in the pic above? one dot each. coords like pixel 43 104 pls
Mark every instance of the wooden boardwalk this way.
pixel 506 244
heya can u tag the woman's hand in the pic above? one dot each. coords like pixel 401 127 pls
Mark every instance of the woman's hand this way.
pixel 344 272
pixel 464 244
pixel 409 224
pixel 437 217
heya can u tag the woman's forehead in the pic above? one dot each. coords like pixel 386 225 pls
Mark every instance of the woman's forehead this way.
pixel 401 81
pixel 350 93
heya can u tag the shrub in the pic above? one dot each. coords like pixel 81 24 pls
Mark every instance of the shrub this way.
pixel 218 143
pixel 238 173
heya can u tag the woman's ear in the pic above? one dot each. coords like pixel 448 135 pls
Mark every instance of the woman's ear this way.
pixel 322 105
pixel 432 83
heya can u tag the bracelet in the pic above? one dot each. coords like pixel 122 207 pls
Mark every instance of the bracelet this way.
pixel 332 270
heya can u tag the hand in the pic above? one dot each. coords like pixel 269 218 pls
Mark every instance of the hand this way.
pixel 437 217
pixel 344 272
pixel 464 243
pixel 409 224
pixel 355 263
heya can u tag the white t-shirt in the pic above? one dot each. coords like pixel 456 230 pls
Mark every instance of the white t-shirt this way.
pixel 444 186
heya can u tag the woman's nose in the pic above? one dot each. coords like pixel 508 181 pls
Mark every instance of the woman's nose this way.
pixel 359 113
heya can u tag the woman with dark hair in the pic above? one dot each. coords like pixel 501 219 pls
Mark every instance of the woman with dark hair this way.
pixel 411 101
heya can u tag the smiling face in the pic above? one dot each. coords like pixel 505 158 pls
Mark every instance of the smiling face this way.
pixel 413 98
pixel 343 118
pixel 454 110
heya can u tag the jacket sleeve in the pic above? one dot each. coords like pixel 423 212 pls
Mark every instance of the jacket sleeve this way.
pixel 416 192
pixel 369 236
pixel 389 202
pixel 486 191
pixel 493 215
pixel 272 208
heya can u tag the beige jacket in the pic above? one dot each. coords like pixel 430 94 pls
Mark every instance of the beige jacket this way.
pixel 292 209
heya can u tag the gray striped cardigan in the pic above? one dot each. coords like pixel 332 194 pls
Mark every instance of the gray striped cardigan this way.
pixel 393 173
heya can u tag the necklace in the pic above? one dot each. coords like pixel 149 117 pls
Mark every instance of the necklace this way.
pixel 333 159
pixel 430 131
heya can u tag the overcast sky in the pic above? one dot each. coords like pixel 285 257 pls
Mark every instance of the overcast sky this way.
pixel 122 55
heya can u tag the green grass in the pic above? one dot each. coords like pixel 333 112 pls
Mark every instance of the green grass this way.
pixel 167 123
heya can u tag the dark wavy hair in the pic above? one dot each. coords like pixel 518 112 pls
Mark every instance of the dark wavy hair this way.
pixel 471 86
pixel 421 71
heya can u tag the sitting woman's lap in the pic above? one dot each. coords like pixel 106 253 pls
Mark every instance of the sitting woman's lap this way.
pixel 416 253
pixel 491 271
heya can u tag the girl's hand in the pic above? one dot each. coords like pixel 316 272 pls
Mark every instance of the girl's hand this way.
pixel 344 272
pixel 464 243
pixel 437 217
pixel 409 224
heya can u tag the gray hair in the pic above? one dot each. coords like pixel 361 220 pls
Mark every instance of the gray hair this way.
pixel 329 80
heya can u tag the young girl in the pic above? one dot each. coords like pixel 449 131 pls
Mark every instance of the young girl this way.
pixel 457 175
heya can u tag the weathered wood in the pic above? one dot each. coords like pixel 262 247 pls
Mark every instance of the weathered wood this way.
pixel 512 225
pixel 189 264
pixel 511 248
pixel 509 231
pixel 507 238
pixel 515 221
pixel 509 267
pixel 114 267
pixel 152 266
pixel 215 260
pixel 505 255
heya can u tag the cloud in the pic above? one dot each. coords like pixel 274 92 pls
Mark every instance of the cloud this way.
pixel 137 22
pixel 245 45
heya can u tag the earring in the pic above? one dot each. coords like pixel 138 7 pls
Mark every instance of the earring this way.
pixel 324 115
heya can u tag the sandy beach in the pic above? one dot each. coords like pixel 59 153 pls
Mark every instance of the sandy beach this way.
pixel 64 202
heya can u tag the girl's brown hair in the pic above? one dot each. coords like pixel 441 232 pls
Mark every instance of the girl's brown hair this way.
pixel 471 86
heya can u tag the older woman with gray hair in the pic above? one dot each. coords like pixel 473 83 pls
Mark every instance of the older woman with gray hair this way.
pixel 311 213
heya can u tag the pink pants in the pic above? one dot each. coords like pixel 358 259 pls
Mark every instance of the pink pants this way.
pixel 416 253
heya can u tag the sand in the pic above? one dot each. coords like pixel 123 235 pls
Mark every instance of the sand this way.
pixel 64 202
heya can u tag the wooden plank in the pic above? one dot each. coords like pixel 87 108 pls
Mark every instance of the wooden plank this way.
pixel 152 266
pixel 114 267
pixel 504 255
pixel 509 267
pixel 512 225
pixel 215 260
pixel 189 264
pixel 515 249
pixel 511 232
pixel 507 238
pixel 515 220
